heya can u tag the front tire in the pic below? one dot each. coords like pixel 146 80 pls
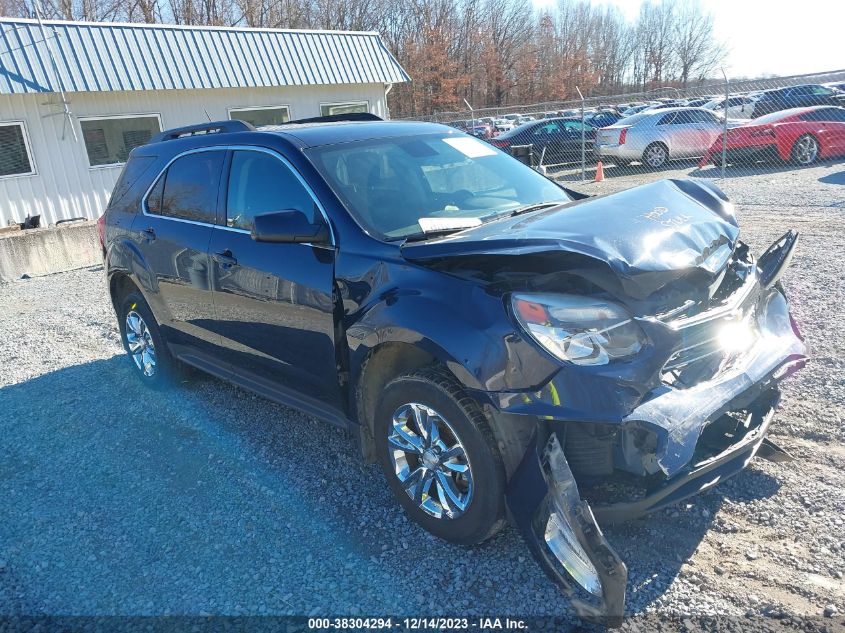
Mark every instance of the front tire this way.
pixel 439 456
pixel 151 360
pixel 655 156
pixel 805 151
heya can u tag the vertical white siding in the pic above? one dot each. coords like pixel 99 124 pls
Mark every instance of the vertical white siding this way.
pixel 64 185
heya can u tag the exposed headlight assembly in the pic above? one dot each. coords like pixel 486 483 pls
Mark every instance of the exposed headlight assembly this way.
pixel 578 330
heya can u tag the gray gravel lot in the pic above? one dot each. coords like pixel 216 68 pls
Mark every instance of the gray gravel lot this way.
pixel 209 500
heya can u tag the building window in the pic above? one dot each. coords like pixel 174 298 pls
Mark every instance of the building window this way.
pixel 331 109
pixel 108 141
pixel 14 151
pixel 266 115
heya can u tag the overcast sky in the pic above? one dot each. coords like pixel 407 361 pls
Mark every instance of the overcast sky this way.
pixel 782 37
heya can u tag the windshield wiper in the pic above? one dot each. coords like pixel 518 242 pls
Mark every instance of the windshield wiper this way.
pixel 532 207
pixel 427 235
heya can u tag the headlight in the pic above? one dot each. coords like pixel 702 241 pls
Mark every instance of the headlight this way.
pixel 577 329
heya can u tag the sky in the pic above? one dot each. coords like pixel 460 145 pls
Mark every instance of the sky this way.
pixel 780 37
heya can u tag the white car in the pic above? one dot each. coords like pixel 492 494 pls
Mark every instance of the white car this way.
pixel 655 137
pixel 504 124
pixel 740 107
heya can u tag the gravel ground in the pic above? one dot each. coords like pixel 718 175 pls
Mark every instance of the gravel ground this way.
pixel 209 500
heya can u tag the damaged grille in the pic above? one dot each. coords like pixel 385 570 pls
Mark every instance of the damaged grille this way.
pixel 713 333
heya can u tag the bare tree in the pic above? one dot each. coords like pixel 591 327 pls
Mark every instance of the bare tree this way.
pixel 655 28
pixel 490 52
pixel 697 52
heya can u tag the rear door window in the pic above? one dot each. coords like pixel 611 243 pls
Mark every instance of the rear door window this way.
pixel 699 116
pixel 188 189
pixel 684 117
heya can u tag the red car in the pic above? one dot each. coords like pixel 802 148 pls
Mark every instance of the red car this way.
pixel 800 135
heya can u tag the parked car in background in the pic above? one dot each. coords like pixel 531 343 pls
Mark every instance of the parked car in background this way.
pixel 602 119
pixel 836 85
pixel 503 125
pixel 698 102
pixel 555 140
pixel 661 106
pixel 797 97
pixel 735 107
pixel 800 135
pixel 484 131
pixel 654 137
pixel 464 125
pixel 638 108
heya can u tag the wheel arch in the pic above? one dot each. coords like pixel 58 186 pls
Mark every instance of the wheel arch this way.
pixel 376 369
pixel 126 265
pixel 120 285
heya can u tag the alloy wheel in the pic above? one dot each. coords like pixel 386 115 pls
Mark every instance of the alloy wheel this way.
pixel 140 344
pixel 430 461
pixel 806 150
pixel 655 156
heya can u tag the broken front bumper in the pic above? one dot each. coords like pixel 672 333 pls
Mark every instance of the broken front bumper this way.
pixel 698 436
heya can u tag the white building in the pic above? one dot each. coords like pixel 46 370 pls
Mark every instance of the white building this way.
pixel 76 97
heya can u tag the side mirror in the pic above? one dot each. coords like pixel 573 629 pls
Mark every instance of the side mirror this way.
pixel 287 227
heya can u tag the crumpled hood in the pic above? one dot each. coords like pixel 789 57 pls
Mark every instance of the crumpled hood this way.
pixel 649 236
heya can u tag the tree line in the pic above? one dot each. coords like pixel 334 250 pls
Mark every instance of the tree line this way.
pixel 489 52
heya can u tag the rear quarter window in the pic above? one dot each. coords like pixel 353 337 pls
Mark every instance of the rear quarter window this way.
pixel 130 175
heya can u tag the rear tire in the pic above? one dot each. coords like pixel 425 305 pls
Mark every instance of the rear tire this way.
pixel 655 156
pixel 453 486
pixel 805 151
pixel 145 348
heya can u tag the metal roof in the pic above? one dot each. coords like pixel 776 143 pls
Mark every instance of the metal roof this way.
pixel 104 56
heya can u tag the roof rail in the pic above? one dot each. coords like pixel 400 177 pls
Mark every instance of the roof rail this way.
pixel 212 127
pixel 333 118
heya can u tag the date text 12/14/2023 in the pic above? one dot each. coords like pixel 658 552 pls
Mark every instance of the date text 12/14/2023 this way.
pixel 417 623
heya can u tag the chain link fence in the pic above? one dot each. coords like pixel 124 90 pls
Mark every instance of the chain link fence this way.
pixel 738 125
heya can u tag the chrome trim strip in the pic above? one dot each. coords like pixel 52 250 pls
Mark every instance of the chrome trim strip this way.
pixel 226 148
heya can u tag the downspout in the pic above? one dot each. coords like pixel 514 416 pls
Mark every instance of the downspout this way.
pixel 387 89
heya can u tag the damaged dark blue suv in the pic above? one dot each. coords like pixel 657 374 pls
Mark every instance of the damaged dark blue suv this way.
pixel 504 347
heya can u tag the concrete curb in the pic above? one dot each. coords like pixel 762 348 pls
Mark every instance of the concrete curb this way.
pixel 45 251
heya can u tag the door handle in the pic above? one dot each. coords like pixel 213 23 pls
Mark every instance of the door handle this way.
pixel 225 259
pixel 148 234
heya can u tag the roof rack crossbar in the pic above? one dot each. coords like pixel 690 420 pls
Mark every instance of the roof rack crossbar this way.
pixel 212 127
pixel 333 118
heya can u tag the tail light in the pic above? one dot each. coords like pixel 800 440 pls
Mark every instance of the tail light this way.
pixel 101 232
pixel 501 143
pixel 622 135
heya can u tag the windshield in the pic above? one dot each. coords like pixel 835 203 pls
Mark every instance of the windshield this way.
pixel 389 185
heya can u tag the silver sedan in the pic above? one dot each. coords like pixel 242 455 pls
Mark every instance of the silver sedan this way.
pixel 656 137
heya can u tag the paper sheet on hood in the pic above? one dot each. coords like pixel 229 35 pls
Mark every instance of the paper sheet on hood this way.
pixel 429 225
